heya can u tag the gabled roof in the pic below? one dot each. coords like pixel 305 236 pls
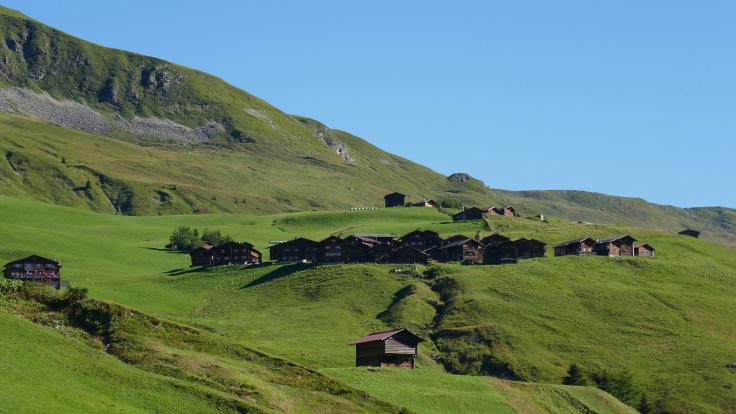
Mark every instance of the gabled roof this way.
pixel 382 336
pixel 232 242
pixel 292 241
pixel 532 241
pixel 373 235
pixel 615 238
pixel 647 245
pixel 455 238
pixel 575 241
pixel 405 247
pixel 467 210
pixel 418 231
pixel 395 194
pixel 32 258
pixel 495 236
pixel 329 238
pixel 460 243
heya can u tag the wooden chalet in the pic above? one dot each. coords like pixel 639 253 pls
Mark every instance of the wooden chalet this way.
pixel 296 250
pixel 529 248
pixel 494 239
pixel 465 251
pixel 425 203
pixel 35 269
pixel 500 253
pixel 395 348
pixel 507 211
pixel 690 232
pixel 644 249
pixel 615 246
pixel 472 213
pixel 580 247
pixel 421 239
pixel 331 250
pixel 234 253
pixel 358 250
pixel 201 255
pixel 394 200
pixel 403 255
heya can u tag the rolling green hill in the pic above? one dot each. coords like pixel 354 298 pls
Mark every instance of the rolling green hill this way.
pixel 664 320
pixel 139 136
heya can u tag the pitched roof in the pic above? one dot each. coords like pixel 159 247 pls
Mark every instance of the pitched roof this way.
pixel 419 231
pixel 532 241
pixel 574 241
pixel 373 235
pixel 615 238
pixel 395 193
pixel 292 241
pixel 647 245
pixel 382 336
pixel 33 257
pixel 460 243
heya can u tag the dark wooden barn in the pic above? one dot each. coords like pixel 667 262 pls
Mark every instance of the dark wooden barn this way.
pixel 201 255
pixel 332 250
pixel 395 348
pixel 234 253
pixel 644 249
pixel 580 247
pixel 465 251
pixel 494 239
pixel 500 253
pixel 529 248
pixel 394 200
pixel 472 213
pixel 421 239
pixel 615 246
pixel 35 269
pixel 690 232
pixel 296 250
pixel 358 249
pixel 402 255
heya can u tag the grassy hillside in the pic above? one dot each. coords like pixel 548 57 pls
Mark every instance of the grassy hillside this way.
pixel 188 142
pixel 665 320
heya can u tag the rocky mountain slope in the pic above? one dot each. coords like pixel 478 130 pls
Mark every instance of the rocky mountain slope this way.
pixel 118 132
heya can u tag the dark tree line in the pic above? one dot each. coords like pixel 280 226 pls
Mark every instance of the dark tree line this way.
pixel 185 238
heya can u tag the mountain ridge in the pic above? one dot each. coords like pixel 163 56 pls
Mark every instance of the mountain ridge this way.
pixel 191 130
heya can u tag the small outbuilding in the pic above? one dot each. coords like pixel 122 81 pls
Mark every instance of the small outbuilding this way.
pixel 644 249
pixel 394 200
pixel 472 213
pixel 500 253
pixel 579 247
pixel 529 248
pixel 394 348
pixel 690 232
pixel 421 239
pixel 465 251
pixel 429 203
pixel 615 246
pixel 296 250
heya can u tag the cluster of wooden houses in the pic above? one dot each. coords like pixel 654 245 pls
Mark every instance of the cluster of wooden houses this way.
pixel 612 246
pixel 418 246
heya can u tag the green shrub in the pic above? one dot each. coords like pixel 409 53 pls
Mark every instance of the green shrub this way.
pixel 575 376
pixel 9 286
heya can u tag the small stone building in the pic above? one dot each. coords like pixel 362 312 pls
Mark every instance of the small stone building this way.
pixel 395 348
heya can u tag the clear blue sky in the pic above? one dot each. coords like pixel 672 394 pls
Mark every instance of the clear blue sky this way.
pixel 629 98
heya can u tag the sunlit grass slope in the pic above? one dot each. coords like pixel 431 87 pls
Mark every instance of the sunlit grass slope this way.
pixel 665 319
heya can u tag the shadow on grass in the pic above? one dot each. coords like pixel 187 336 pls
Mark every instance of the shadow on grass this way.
pixel 161 249
pixel 278 273
pixel 179 272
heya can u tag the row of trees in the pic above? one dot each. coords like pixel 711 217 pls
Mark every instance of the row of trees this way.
pixel 185 238
pixel 619 384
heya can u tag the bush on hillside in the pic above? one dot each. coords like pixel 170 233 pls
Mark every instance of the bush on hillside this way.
pixel 574 376
pixel 450 203
pixel 619 384
pixel 9 286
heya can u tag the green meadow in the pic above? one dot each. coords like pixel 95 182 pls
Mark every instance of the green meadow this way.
pixel 664 320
